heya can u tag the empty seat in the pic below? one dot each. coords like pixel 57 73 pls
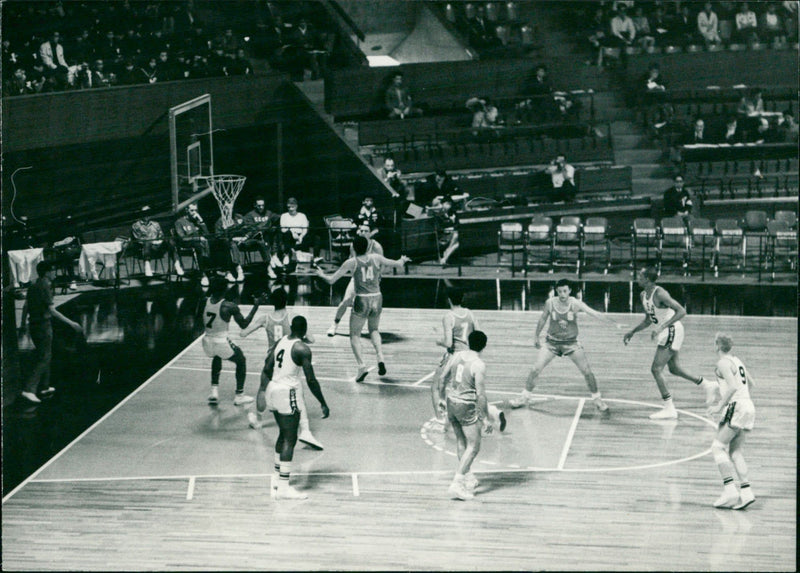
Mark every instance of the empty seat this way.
pixel 539 245
pixel 783 246
pixel 788 217
pixel 567 243
pixel 730 246
pixel 702 244
pixel 645 247
pixel 340 234
pixel 595 243
pixel 511 241
pixel 754 226
pixel 674 243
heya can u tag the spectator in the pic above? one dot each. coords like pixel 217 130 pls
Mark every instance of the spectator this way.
pixel 562 179
pixel 38 311
pixel 661 25
pixel 240 65
pixel 294 227
pixel 731 133
pixel 764 133
pixel 623 31
pixel 149 71
pixel 771 26
pixel 708 25
pixel 447 224
pixel 149 236
pixel 390 175
pixel 790 9
pixel 51 53
pixel 653 82
pixel 192 232
pixel 129 75
pixel 746 25
pixel 368 216
pixel 99 77
pixel 482 33
pixel 228 42
pixel 19 84
pixel 484 114
pixel 677 201
pixel 697 135
pixel 309 44
pixel 165 70
pixel 398 99
pixel 438 188
pixel 683 27
pixel 644 37
pixel 787 128
pixel 598 34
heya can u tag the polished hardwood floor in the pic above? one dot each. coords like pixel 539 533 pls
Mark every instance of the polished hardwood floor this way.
pixel 163 481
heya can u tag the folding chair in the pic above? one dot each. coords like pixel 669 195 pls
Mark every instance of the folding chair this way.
pixel 567 243
pixel 788 217
pixel 730 246
pixel 511 240
pixel 754 226
pixel 645 244
pixel 674 243
pixel 702 243
pixel 783 246
pixel 341 231
pixel 539 246
pixel 595 243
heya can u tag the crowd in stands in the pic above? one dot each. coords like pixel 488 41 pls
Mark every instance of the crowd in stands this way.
pixel 70 44
pixel 493 29
pixel 647 24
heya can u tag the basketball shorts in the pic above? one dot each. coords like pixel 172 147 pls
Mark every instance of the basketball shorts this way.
pixel 562 348
pixel 221 347
pixel 349 293
pixel 465 413
pixel 282 399
pixel 740 415
pixel 671 337
pixel 445 359
pixel 368 306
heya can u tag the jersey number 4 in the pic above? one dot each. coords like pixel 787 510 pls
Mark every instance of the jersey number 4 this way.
pixel 213 315
pixel 279 358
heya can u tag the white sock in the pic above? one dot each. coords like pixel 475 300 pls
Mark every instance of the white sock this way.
pixel 595 395
pixel 285 474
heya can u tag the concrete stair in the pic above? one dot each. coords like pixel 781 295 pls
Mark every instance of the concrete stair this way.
pixel 637 156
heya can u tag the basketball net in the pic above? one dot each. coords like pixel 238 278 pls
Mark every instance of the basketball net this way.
pixel 226 188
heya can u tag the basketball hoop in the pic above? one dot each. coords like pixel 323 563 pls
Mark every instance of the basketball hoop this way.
pixel 225 188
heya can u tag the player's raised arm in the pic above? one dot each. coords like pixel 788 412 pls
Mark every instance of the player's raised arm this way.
pixel 239 318
pixel 397 263
pixel 260 321
pixel 303 353
pixel 347 267
pixel 593 313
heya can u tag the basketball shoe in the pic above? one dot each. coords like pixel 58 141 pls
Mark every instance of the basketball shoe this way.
pixel 242 399
pixel 213 398
pixel 746 497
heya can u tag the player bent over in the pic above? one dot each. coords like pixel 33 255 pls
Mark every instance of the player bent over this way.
pixel 217 316
pixel 463 383
pixel 734 425
pixel 280 387
pixel 562 340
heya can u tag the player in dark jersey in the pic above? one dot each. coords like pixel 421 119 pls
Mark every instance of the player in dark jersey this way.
pixel 368 304
pixel 562 340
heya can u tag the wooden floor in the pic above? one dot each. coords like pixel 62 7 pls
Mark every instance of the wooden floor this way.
pixel 165 482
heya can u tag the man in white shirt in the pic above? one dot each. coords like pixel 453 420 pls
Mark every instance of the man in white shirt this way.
pixel 294 227
pixel 746 25
pixel 708 25
pixel 562 176
pixel 622 27
pixel 51 54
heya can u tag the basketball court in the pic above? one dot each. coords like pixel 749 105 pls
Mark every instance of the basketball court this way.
pixel 164 481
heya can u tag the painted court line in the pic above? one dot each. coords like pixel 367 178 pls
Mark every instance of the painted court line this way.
pixel 190 491
pixel 571 434
pixel 428 376
pixel 100 421
pixel 356 492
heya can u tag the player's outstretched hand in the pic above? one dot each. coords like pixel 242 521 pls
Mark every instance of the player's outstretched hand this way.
pixel 325 411
pixel 404 259
pixel 627 338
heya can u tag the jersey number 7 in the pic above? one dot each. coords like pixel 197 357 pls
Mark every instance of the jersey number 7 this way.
pixel 213 315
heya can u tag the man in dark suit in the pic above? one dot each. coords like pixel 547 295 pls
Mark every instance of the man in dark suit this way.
pixel 731 133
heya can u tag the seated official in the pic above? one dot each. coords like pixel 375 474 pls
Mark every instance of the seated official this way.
pixel 368 216
pixel 677 200
pixel 149 237
pixel 261 224
pixel 232 236
pixel 294 228
pixel 437 188
pixel 191 231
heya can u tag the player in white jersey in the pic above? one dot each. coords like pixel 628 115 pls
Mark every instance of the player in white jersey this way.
pixel 373 246
pixel 217 345
pixel 735 413
pixel 368 304
pixel 276 324
pixel 280 388
pixel 664 314
pixel 462 382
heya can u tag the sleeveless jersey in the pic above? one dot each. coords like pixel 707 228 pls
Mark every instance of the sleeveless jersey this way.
pixel 215 326
pixel 286 372
pixel 655 314
pixel 462 327
pixel 462 377
pixel 277 328
pixel 367 276
pixel 563 325
pixel 739 373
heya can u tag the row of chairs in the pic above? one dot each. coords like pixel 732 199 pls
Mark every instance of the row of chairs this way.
pixel 696 245
pixel 740 167
pixel 747 186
